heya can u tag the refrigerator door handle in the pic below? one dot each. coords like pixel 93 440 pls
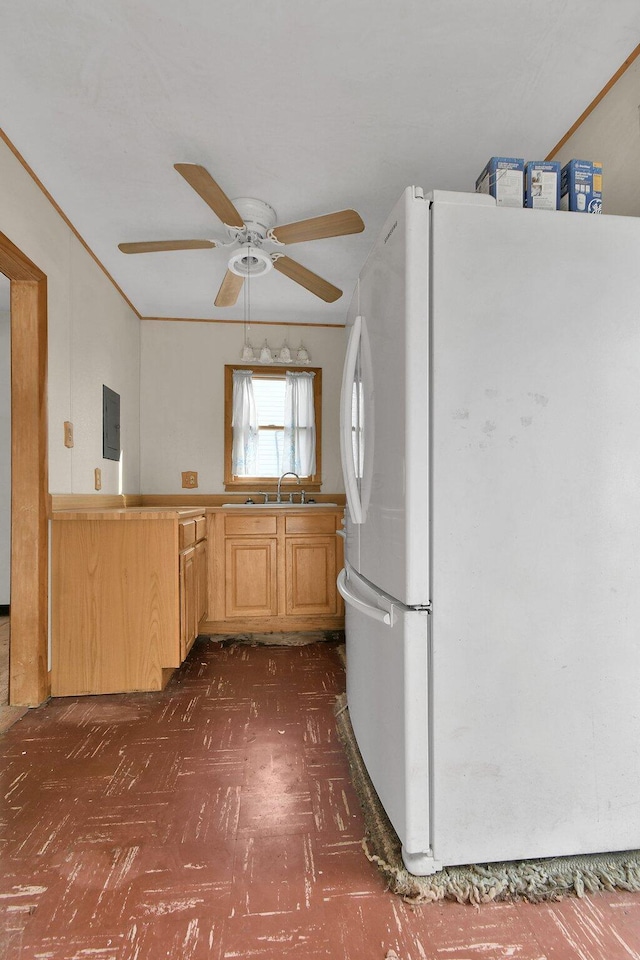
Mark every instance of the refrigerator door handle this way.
pixel 346 440
pixel 385 616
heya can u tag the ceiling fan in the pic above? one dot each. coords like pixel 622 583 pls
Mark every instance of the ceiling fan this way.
pixel 251 223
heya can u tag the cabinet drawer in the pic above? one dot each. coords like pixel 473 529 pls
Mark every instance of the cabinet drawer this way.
pixel 325 523
pixel 235 526
pixel 186 533
pixel 201 528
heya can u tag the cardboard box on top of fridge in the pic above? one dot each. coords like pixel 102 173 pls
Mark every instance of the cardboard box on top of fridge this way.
pixel 502 177
pixel 581 186
pixel 542 184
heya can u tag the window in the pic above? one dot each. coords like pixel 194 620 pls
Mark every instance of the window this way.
pixel 269 398
pixel 272 426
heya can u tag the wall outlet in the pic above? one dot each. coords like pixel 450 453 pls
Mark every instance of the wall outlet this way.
pixel 190 478
pixel 97 475
pixel 68 433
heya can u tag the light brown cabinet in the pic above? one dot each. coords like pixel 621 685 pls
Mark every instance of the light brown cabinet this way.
pixel 128 587
pixel 311 576
pixel 192 579
pixel 201 579
pixel 274 570
pixel 250 578
pixel 188 596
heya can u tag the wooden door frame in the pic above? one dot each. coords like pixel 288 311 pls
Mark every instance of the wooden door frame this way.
pixel 28 666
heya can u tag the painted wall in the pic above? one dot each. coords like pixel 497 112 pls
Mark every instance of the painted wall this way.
pixel 5 451
pixel 611 133
pixel 182 398
pixel 94 338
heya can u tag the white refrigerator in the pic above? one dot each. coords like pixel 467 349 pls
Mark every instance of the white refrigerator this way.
pixel 490 436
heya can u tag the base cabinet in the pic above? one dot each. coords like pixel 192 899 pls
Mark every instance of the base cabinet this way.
pixel 201 578
pixel 274 570
pixel 188 599
pixel 251 584
pixel 130 590
pixel 193 580
pixel 126 595
pixel 311 576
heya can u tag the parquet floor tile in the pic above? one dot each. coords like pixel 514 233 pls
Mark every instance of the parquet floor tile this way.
pixel 303 935
pixel 589 929
pixel 216 820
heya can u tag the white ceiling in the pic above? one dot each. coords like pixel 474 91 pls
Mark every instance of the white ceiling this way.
pixel 311 106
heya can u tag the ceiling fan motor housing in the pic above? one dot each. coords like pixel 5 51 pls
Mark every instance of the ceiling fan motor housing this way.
pixel 258 217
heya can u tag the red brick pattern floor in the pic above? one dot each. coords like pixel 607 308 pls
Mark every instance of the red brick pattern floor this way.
pixel 216 820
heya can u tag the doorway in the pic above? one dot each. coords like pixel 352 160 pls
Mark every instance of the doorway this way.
pixel 28 666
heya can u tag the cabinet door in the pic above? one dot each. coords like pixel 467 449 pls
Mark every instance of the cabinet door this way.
pixel 201 578
pixel 250 577
pixel 188 601
pixel 311 575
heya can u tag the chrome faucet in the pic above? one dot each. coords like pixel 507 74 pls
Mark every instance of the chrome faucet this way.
pixel 289 473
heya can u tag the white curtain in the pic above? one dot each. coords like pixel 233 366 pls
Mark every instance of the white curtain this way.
pixel 244 425
pixel 299 454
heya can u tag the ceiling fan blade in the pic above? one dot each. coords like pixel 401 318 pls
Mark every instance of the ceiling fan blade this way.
pixel 313 283
pixel 155 246
pixel 206 187
pixel 229 290
pixel 317 228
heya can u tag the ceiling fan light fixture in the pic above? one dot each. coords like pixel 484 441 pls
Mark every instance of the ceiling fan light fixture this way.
pixel 249 261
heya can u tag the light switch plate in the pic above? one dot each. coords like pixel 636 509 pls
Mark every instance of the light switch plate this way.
pixel 68 433
pixel 97 473
pixel 190 479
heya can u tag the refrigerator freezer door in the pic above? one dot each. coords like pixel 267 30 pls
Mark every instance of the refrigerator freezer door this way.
pixel 392 385
pixel 388 698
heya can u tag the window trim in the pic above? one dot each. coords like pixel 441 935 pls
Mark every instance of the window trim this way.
pixel 269 484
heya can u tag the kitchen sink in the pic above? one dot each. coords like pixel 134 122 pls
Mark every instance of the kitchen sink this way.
pixel 279 506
